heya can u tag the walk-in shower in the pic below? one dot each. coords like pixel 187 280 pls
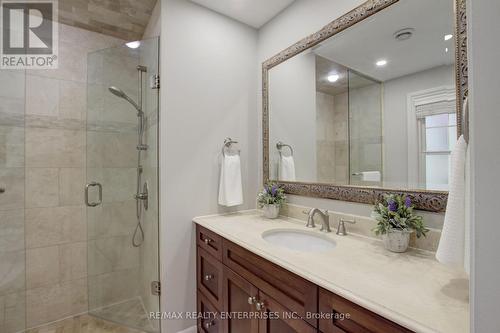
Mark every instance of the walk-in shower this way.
pixel 141 193
pixel 122 158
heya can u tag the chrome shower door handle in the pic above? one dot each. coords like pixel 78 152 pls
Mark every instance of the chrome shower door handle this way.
pixel 87 187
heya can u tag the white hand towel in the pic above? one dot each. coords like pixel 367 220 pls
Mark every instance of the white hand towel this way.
pixel 287 168
pixel 371 176
pixel 230 188
pixel 451 249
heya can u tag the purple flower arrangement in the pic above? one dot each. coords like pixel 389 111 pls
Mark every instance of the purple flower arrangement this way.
pixel 395 212
pixel 272 194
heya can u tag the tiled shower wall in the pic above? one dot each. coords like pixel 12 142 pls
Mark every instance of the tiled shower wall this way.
pixel 43 243
pixel 332 138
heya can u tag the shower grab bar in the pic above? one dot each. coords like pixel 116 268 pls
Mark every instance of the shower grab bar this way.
pixel 87 187
pixel 280 146
pixel 228 142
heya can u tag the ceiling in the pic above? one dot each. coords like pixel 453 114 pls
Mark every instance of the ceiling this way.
pixel 125 19
pixel 362 45
pixel 347 78
pixel 255 13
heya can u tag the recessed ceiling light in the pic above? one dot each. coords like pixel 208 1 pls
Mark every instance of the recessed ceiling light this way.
pixel 448 37
pixel 381 62
pixel 333 78
pixel 134 44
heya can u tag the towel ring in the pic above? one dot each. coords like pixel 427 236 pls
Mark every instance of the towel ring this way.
pixel 228 142
pixel 280 146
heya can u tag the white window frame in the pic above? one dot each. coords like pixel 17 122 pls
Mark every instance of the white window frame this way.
pixel 415 132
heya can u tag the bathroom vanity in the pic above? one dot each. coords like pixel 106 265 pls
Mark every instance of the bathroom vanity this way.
pixel 354 286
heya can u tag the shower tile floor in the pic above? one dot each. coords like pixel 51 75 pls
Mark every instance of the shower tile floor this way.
pixel 83 324
pixel 130 313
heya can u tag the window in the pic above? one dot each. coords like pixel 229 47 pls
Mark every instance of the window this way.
pixel 438 135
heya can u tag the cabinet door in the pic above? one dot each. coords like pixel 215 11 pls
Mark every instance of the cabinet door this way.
pixel 237 292
pixel 275 318
pixel 209 277
pixel 209 317
pixel 341 315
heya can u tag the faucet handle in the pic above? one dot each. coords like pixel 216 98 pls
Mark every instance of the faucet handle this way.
pixel 341 231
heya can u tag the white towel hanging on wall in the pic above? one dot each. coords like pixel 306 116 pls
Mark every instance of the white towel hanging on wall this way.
pixel 230 185
pixel 286 168
pixel 451 249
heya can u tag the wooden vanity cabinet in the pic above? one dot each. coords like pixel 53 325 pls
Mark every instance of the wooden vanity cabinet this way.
pixel 360 320
pixel 240 292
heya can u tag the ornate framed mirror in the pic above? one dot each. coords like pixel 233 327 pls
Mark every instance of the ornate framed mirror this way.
pixel 369 105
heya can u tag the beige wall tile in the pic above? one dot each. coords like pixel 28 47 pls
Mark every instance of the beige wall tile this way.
pixel 42 96
pixel 71 186
pixel 72 65
pixel 12 179
pixel 42 266
pixel 55 226
pixel 118 184
pixel 111 219
pixel 54 148
pixel 111 149
pixel 72 100
pixel 113 287
pixel 12 230
pixel 73 261
pixel 12 272
pixel 11 146
pixel 57 301
pixel 112 254
pixel 14 313
pixel 42 187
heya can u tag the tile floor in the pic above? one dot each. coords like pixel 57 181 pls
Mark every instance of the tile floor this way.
pixel 83 324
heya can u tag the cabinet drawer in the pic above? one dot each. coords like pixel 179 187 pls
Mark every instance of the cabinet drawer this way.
pixel 209 318
pixel 298 294
pixel 209 241
pixel 209 277
pixel 360 320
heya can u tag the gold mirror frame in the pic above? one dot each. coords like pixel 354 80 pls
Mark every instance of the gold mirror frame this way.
pixel 433 201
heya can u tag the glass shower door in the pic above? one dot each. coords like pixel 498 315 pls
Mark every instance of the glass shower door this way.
pixel 365 130
pixel 122 184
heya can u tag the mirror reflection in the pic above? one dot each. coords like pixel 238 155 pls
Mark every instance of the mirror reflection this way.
pixel 374 105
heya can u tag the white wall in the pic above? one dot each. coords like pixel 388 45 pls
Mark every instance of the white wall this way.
pixel 395 119
pixel 484 76
pixel 208 92
pixel 299 20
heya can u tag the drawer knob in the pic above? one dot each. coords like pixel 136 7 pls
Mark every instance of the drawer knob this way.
pixel 209 277
pixel 260 306
pixel 209 324
pixel 207 240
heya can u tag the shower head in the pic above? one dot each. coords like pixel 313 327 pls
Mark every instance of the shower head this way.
pixel 118 92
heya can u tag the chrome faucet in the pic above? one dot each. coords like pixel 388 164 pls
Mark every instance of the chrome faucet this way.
pixel 325 219
pixel 341 231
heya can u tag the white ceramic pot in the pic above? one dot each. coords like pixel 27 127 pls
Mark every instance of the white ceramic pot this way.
pixel 271 211
pixel 397 240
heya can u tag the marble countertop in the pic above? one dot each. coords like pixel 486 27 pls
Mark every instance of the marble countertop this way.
pixel 411 289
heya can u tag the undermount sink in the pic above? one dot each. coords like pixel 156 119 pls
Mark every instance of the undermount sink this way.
pixel 299 240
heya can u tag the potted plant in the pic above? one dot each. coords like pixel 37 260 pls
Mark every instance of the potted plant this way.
pixel 270 200
pixel 396 221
